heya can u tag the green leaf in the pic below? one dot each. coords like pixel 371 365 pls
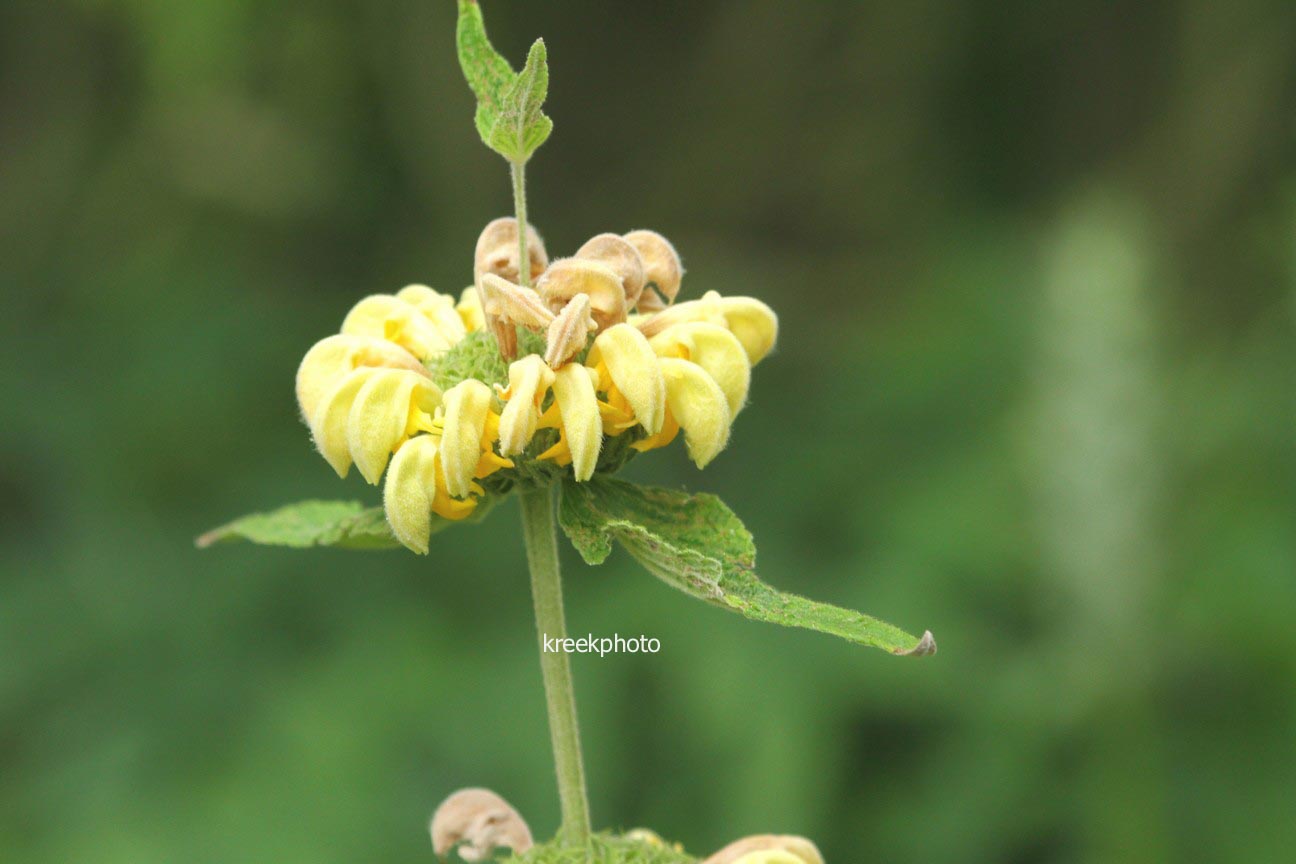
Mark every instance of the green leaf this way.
pixel 697 544
pixel 345 524
pixel 508 118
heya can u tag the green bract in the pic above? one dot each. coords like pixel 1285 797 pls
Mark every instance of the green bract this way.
pixel 509 119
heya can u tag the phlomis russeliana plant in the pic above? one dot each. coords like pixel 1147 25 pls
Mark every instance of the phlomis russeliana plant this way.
pixel 542 379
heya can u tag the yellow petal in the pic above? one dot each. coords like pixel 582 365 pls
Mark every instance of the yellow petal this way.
pixel 330 359
pixel 529 381
pixel 470 310
pixel 573 387
pixel 436 307
pixel 699 406
pixel 754 323
pixel 380 417
pixel 669 432
pixel 802 848
pixel 770 856
pixel 707 309
pixel 452 508
pixel 465 405
pixel 385 317
pixel 769 849
pixel 408 492
pixel 716 350
pixel 330 427
pixel 633 368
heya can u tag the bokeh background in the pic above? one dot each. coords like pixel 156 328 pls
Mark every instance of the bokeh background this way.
pixel 1036 390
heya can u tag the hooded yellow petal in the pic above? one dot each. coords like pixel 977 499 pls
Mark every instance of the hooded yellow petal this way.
pixel 706 309
pixel 330 426
pixel 529 381
pixel 716 350
pixel 633 368
pixel 409 490
pixel 385 317
pixel 436 307
pixel 470 310
pixel 330 359
pixel 382 414
pixel 699 406
pixel 466 406
pixel 754 323
pixel 573 387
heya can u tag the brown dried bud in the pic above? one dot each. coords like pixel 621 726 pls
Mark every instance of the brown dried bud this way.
pixel 571 276
pixel 622 258
pixel 795 847
pixel 478 821
pixel 497 251
pixel 662 268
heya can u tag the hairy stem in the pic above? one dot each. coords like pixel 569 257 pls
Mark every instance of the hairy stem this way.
pixel 540 531
pixel 519 210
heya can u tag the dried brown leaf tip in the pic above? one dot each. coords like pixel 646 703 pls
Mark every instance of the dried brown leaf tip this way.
pixel 768 849
pixel 478 821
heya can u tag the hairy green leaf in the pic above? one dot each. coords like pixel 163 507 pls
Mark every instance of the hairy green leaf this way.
pixel 508 118
pixel 697 544
pixel 344 524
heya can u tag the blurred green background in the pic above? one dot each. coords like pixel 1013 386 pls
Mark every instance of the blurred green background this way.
pixel 1035 390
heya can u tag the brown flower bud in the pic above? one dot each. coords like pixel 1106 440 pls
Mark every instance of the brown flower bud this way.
pixel 478 821
pixel 622 258
pixel 497 251
pixel 568 277
pixel 662 268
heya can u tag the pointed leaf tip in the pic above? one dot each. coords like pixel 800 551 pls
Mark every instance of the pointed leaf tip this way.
pixel 698 545
pixel 344 524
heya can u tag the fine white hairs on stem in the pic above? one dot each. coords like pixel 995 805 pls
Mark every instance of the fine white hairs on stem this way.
pixel 476 822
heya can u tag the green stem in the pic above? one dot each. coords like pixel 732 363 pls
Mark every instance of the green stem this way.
pixel 519 210
pixel 546 590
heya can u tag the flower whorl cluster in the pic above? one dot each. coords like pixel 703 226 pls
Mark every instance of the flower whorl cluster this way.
pixel 440 394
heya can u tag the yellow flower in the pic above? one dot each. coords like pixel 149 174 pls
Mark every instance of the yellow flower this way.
pixel 419 375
